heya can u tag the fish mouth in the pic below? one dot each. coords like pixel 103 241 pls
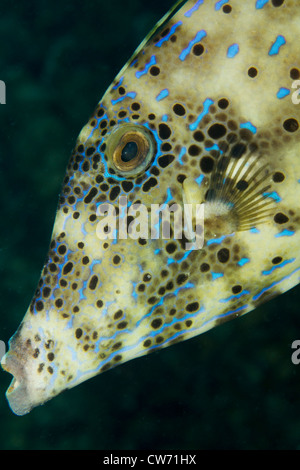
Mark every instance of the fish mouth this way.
pixel 17 393
pixel 26 390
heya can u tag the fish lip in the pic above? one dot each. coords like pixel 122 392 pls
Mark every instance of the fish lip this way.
pixel 17 393
pixel 26 390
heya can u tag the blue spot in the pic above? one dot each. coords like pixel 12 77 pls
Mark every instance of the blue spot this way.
pixel 167 37
pixel 231 312
pixel 216 275
pixel 217 240
pixel 249 126
pixel 147 67
pixel 280 41
pixel 199 179
pixel 194 8
pixel 200 35
pixel 233 297
pixel 206 106
pixel 182 153
pixel 163 94
pixel 134 62
pixel 232 51
pixel 254 230
pixel 260 4
pixel 282 93
pixel 219 4
pixel 255 297
pixel 165 118
pixel 273 196
pixel 131 94
pixel 214 147
pixel 285 233
pixel 280 265
pixel 119 83
pixel 243 261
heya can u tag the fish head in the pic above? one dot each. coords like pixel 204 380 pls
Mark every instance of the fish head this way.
pixel 201 118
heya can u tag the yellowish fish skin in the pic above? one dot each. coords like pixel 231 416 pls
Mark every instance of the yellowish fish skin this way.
pixel 213 84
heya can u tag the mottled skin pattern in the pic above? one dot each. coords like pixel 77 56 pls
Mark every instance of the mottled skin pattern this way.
pixel 213 87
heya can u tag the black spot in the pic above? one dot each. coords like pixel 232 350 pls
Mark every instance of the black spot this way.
pixel 135 106
pixel 165 160
pixel 116 259
pixel 92 193
pixel 295 74
pixel 147 343
pixel 99 303
pixel 278 177
pixel 150 183
pixel 156 323
pixel 59 303
pixel 216 131
pixel 242 185
pixel 227 9
pixel 277 260
pixel 223 103
pixel 127 186
pixel 181 279
pixel 291 125
pixel 164 131
pixel 280 218
pixel 277 3
pixel 118 314
pixel 46 292
pixel 223 255
pixel 85 260
pixel 204 267
pixel 252 72
pixel 99 179
pixel 114 193
pixel 122 325
pixel 181 178
pixel 194 150
pixel 207 164
pixel 50 356
pixel 236 289
pixel 199 136
pixel 90 151
pixel 198 49
pixel 86 166
pixel 154 70
pixel 171 247
pixel 78 333
pixel 67 267
pixel 238 150
pixel 192 307
pixel 39 305
pixel 179 109
pixel 93 282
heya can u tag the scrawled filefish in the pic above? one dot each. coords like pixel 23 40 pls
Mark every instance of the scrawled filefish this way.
pixel 205 114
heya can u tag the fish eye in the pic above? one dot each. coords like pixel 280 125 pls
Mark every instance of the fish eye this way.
pixel 131 149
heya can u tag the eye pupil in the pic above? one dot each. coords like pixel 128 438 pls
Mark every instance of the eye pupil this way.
pixel 129 152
